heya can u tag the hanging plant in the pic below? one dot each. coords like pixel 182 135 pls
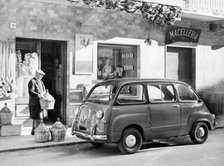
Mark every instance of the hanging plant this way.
pixel 158 13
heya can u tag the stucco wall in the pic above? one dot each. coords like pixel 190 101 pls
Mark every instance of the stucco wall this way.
pixel 210 77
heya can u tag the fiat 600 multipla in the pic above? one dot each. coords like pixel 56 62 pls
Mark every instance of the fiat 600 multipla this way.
pixel 131 111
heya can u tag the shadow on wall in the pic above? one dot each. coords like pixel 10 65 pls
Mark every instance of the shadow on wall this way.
pixel 214 97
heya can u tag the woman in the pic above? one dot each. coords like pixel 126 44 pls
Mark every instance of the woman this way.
pixel 108 70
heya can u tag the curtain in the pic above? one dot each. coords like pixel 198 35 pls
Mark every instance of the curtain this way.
pixel 7 68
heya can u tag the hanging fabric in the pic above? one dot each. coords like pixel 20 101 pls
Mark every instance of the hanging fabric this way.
pixel 7 66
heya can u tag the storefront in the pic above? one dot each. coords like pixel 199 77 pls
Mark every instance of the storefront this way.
pixel 79 46
pixel 48 55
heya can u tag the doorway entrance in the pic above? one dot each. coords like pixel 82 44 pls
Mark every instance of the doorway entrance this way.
pixel 180 64
pixel 51 58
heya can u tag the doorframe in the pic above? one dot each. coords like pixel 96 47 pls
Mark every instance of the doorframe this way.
pixel 193 54
pixel 64 81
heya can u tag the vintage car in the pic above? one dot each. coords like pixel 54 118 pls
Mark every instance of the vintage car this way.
pixel 130 111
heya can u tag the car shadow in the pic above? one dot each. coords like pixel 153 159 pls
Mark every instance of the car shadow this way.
pixel 183 141
pixel 88 149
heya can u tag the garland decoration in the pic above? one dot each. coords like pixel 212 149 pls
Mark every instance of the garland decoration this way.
pixel 158 13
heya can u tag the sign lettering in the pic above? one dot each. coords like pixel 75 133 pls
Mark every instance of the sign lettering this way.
pixel 182 34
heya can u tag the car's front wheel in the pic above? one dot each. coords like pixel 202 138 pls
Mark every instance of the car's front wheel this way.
pixel 200 133
pixel 131 141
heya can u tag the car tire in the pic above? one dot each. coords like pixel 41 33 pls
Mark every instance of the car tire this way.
pixel 96 144
pixel 200 133
pixel 131 141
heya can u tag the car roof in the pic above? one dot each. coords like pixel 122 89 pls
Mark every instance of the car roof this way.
pixel 139 80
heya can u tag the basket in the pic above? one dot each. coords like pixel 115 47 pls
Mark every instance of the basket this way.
pixel 47 104
pixel 58 134
pixel 42 137
pixel 42 133
pixel 5 115
pixel 58 131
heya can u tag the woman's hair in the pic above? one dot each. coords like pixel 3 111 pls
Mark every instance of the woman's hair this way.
pixel 108 60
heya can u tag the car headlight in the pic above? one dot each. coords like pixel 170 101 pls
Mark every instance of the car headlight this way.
pixel 99 114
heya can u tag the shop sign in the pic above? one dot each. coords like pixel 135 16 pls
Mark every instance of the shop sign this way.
pixel 182 34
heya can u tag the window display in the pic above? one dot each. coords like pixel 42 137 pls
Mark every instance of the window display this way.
pixel 116 61
pixel 26 64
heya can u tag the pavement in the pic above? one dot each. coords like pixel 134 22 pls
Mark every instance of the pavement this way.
pixel 26 141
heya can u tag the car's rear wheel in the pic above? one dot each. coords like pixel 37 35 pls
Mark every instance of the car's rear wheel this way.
pixel 131 141
pixel 200 133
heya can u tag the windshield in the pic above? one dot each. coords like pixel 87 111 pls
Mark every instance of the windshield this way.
pixel 101 93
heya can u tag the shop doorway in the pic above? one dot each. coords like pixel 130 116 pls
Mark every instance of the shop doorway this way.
pixel 180 64
pixel 51 57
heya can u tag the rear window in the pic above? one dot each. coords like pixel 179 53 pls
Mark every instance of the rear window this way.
pixel 161 92
pixel 186 93
pixel 131 93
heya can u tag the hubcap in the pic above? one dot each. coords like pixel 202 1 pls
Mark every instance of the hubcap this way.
pixel 130 141
pixel 201 132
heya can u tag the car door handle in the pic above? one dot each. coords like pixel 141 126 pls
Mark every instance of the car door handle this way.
pixel 175 105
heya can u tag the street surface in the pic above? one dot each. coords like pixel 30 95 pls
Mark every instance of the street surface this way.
pixel 172 152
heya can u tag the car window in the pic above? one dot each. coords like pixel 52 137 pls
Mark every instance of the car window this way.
pixel 131 93
pixel 101 93
pixel 168 92
pixel 185 92
pixel 161 92
pixel 154 93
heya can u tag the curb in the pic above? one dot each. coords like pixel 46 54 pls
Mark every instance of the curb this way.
pixel 41 146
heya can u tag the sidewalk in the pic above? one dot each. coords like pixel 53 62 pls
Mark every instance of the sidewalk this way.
pixel 27 141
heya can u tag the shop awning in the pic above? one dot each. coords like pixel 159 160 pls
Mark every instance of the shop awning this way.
pixel 179 3
pixel 158 11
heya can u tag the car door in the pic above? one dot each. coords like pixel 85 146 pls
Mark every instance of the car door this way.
pixel 130 108
pixel 189 102
pixel 165 115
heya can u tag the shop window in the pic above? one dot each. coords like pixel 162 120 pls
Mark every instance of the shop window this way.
pixel 116 61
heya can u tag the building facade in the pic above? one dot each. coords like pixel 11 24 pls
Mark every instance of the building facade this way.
pixel 74 45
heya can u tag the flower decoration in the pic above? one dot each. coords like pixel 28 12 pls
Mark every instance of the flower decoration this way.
pixel 158 13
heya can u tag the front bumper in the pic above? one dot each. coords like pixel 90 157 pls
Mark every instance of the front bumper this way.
pixel 91 136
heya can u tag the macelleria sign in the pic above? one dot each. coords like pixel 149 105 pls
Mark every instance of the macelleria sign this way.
pixel 182 34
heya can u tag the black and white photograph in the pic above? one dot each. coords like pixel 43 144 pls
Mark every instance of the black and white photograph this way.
pixel 111 82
